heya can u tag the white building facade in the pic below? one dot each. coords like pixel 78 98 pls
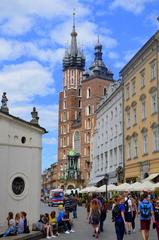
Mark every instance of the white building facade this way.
pixel 20 165
pixel 107 151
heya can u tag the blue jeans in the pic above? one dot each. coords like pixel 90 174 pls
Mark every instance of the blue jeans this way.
pixel 66 226
pixel 74 213
pixel 10 230
pixel 120 230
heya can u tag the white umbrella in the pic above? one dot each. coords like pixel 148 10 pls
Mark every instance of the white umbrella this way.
pixel 135 186
pixel 110 188
pixel 89 189
pixel 147 186
pixel 123 187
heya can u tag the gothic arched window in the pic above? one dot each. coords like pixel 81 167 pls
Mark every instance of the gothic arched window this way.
pixel 77 142
pixel 88 92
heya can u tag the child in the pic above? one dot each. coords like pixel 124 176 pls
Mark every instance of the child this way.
pixel 48 227
pixel 11 226
pixel 53 223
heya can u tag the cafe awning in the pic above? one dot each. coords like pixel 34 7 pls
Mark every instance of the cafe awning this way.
pixel 151 177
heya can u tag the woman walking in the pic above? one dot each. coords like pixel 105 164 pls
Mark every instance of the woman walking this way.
pixel 94 216
pixel 119 218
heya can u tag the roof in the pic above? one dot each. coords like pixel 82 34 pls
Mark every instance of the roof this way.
pixel 72 153
pixel 23 121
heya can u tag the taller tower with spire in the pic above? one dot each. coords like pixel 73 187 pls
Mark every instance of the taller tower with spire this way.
pixel 77 112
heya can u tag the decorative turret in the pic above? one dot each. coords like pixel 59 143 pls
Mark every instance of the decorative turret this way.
pixel 98 67
pixel 4 107
pixel 35 118
pixel 74 57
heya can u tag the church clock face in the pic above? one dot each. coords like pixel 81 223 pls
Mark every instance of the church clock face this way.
pixel 18 185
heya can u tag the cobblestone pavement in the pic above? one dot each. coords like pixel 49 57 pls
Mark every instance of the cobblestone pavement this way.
pixel 83 231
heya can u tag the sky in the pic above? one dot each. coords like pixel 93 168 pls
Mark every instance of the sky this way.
pixel 33 38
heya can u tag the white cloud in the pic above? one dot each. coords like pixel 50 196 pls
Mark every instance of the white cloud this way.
pixel 127 55
pixel 13 50
pixel 134 6
pixel 87 34
pixel 20 15
pixel 113 55
pixel 16 26
pixel 50 141
pixel 24 81
pixel 48 114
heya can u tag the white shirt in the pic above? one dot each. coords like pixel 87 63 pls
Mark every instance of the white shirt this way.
pixel 129 204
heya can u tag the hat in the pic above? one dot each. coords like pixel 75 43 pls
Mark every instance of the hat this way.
pixel 60 207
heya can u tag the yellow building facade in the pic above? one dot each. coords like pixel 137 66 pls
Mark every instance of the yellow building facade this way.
pixel 141 112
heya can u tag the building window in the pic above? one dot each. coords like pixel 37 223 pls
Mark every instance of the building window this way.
pixel 129 149
pixel 154 102
pixel 105 91
pixel 64 142
pixel 156 139
pixel 142 79
pixel 134 115
pixel 115 156
pixel 77 142
pixel 145 142
pixel 64 104
pixel 143 109
pixel 88 92
pixel 111 158
pixel 111 115
pixel 64 129
pixel 135 147
pixel 79 103
pixel 128 119
pixel 79 92
pixel 102 162
pixel 64 116
pixel 106 160
pixel 116 130
pixel 60 142
pixel 88 123
pixel 127 91
pixel 133 87
pixel 153 70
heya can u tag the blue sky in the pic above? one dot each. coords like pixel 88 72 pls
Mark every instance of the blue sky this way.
pixel 33 36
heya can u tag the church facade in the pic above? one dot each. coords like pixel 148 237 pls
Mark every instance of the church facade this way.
pixel 20 164
pixel 81 93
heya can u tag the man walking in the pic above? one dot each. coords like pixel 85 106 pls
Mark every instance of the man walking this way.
pixel 146 212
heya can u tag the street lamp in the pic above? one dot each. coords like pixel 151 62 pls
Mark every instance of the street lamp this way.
pixel 106 178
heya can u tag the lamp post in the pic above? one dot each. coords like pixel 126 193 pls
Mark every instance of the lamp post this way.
pixel 106 178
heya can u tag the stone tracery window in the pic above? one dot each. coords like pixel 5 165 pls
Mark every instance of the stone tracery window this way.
pixel 77 142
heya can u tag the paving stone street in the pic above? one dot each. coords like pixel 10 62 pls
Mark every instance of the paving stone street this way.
pixel 83 231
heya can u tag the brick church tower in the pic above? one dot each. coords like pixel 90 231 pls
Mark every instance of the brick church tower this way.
pixel 77 119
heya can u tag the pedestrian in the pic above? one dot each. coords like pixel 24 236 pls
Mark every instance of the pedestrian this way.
pixel 128 212
pixel 68 203
pixel 134 212
pixel 74 205
pixel 53 223
pixel 19 221
pixel 104 206
pixel 145 209
pixel 11 230
pixel 88 203
pixel 67 223
pixel 47 227
pixel 94 216
pixel 118 217
pixel 156 215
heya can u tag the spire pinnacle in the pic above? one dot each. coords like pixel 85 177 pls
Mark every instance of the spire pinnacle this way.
pixel 74 50
pixel 74 17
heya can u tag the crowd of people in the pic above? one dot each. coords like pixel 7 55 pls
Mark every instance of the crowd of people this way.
pixel 125 209
pixel 17 224
pixel 52 223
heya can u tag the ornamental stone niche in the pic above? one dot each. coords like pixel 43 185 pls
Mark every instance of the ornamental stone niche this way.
pixel 20 165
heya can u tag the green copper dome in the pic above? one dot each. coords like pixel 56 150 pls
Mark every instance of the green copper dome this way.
pixel 72 153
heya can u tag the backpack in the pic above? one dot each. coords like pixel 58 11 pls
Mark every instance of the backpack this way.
pixel 126 205
pixel 116 211
pixel 145 210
